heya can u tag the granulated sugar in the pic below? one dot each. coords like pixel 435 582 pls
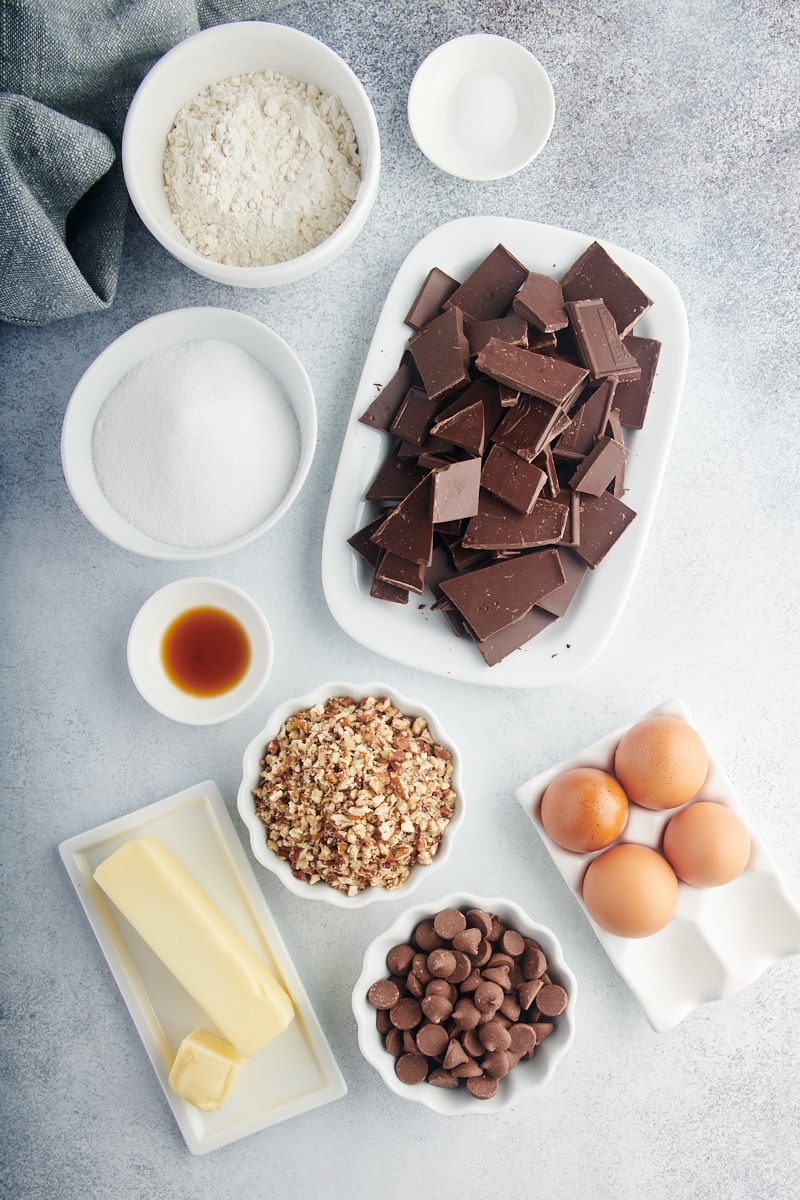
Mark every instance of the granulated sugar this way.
pixel 196 445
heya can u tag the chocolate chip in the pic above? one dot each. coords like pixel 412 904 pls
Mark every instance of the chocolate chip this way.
pixel 383 994
pixel 406 1013
pixel 482 1088
pixel 551 1000
pixel 449 922
pixel 411 1068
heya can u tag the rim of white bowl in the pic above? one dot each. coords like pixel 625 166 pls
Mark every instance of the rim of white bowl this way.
pixel 368 138
pixel 143 654
pixel 250 773
pixel 124 353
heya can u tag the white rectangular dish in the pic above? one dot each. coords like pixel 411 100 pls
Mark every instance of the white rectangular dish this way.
pixel 414 635
pixel 296 1072
pixel 721 938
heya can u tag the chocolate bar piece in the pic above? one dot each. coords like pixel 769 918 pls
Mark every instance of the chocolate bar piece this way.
pixel 437 287
pixel 588 422
pixel 381 590
pixel 574 570
pixel 599 345
pixel 541 301
pixel 456 490
pixel 632 398
pixel 408 528
pixel 488 291
pixel 497 647
pixel 603 520
pixel 511 328
pixel 362 542
pixel 512 479
pixel 414 416
pixel 599 467
pixel 497 526
pixel 383 408
pixel 400 572
pixel 491 598
pixel 615 431
pixel 529 426
pixel 535 374
pixel 596 273
pixel 463 423
pixel 396 477
pixel 441 354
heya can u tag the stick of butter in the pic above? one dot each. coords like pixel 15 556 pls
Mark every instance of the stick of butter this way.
pixel 204 952
pixel 205 1069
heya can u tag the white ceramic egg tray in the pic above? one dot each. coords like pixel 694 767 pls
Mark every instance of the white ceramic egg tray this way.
pixel 720 939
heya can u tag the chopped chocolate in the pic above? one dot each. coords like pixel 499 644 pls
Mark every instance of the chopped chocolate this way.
pixel 574 570
pixel 603 520
pixel 529 426
pixel 437 288
pixel 380 590
pixel 391 568
pixel 547 464
pixel 614 427
pixel 396 478
pixel 588 422
pixel 511 328
pixel 414 416
pixel 497 647
pixel 497 526
pixel 533 373
pixel 541 301
pixel 596 274
pixel 408 528
pixel 512 479
pixel 599 345
pixel 488 291
pixel 456 490
pixel 509 396
pixel 463 423
pixel 441 354
pixel 362 541
pixel 599 467
pixel 632 398
pixel 572 530
pixel 491 598
pixel 383 409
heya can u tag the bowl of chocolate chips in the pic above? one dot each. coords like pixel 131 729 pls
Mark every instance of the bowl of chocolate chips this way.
pixel 465 1005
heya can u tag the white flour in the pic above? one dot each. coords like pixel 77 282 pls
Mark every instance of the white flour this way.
pixel 260 168
pixel 196 445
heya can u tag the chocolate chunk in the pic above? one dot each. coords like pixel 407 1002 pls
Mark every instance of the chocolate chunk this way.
pixel 437 287
pixel 362 541
pixel 541 301
pixel 414 416
pixel 456 490
pixel 396 477
pixel 574 570
pixel 529 426
pixel 512 479
pixel 490 598
pixel 535 374
pixel 383 409
pixel 511 328
pixel 588 423
pixel 488 291
pixel 603 520
pixel 596 273
pixel 632 398
pixel 500 527
pixel 600 347
pixel 380 590
pixel 599 467
pixel 408 528
pixel 400 572
pixel 463 423
pixel 441 354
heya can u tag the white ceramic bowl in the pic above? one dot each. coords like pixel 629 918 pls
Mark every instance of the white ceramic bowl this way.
pixel 147 633
pixel 529 1075
pixel 208 57
pixel 481 107
pixel 251 770
pixel 157 333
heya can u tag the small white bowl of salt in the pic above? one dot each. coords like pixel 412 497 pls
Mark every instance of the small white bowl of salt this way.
pixel 190 435
pixel 481 107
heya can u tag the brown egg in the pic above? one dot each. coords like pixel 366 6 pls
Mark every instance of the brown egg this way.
pixel 584 809
pixel 661 762
pixel 707 844
pixel 630 890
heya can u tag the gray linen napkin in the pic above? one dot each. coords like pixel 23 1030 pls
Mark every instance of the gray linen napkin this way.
pixel 68 71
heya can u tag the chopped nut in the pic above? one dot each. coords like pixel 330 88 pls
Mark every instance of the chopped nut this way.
pixel 355 794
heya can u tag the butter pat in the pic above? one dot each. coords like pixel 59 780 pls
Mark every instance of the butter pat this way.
pixel 201 948
pixel 205 1070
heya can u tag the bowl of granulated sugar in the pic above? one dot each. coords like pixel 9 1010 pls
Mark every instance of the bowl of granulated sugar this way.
pixel 190 435
pixel 252 153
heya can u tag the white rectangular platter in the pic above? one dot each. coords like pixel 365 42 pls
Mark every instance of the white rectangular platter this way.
pixel 414 635
pixel 295 1073
pixel 721 938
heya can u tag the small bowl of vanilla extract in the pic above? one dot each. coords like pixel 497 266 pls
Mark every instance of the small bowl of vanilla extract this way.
pixel 200 651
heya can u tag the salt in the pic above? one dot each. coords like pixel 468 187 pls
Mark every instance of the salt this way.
pixel 485 112
pixel 196 445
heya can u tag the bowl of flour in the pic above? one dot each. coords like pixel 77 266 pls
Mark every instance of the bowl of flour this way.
pixel 189 436
pixel 251 152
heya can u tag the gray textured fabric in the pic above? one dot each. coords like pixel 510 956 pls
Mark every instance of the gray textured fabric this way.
pixel 68 71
